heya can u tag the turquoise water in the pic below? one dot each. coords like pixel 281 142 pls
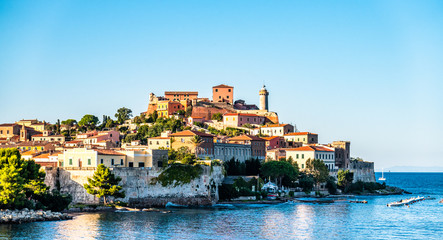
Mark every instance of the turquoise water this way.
pixel 342 220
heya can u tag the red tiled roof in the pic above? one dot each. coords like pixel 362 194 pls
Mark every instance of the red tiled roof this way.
pixel 108 152
pixel 188 133
pixel 270 138
pixel 7 124
pixel 245 138
pixel 275 125
pixel 222 86
pixel 311 148
pixel 159 138
pixel 300 133
pixel 180 92
pixel 241 114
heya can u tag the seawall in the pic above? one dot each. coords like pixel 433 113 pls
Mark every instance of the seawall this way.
pixel 138 187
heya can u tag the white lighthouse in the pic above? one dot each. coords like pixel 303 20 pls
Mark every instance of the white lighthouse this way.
pixel 264 98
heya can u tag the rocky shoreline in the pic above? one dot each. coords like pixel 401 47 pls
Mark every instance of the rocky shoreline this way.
pixel 26 215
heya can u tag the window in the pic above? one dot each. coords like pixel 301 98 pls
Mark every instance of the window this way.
pixel 227 97
pixel 229 90
pixel 150 142
pixel 121 161
pixel 1 131
pixel 7 132
pixel 160 164
pixel 89 161
pixel 131 164
pixel 141 164
pixel 70 161
pixel 219 97
pixel 302 156
pixel 216 90
pixel 183 140
pixel 302 166
pixel 112 162
pixel 110 135
pixel 101 161
pixel 158 143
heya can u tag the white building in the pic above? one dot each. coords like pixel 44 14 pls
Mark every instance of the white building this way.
pixel 276 130
pixel 226 151
pixel 302 154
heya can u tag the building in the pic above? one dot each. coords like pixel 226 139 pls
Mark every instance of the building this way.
pixel 180 95
pixel 9 130
pixel 276 154
pixel 193 119
pixel 342 153
pixel 223 93
pixel 227 151
pixel 33 123
pixel 167 108
pixel 303 137
pixel 264 98
pixel 47 159
pixel 83 157
pixel 240 119
pixel 99 138
pixel 274 142
pixel 276 129
pixel 159 143
pixel 39 146
pixel 302 154
pixel 150 158
pixel 49 137
pixel 258 145
pixel 186 139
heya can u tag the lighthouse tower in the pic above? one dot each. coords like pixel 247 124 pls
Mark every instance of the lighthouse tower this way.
pixel 264 98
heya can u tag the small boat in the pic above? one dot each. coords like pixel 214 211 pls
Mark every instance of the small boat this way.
pixel 382 178
pixel 358 201
pixel 405 202
pixel 441 201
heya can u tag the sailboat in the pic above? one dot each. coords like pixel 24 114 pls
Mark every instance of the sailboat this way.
pixel 382 178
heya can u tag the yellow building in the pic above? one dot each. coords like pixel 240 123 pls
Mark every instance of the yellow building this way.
pixel 159 142
pixel 82 157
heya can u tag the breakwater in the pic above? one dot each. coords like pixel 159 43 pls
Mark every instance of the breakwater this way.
pixel 26 215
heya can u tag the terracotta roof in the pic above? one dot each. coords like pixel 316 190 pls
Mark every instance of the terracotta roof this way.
pixel 188 133
pixel 222 86
pixel 74 141
pixel 41 135
pixel 158 138
pixel 44 155
pixel 300 133
pixel 275 125
pixel 246 138
pixel 7 124
pixel 108 152
pixel 311 148
pixel 196 117
pixel 241 114
pixel 181 92
pixel 30 152
pixel 32 143
pixel 270 138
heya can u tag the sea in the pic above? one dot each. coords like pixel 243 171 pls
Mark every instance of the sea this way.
pixel 339 220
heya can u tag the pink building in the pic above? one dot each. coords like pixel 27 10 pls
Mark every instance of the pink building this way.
pixel 193 119
pixel 240 119
pixel 95 137
pixel 274 142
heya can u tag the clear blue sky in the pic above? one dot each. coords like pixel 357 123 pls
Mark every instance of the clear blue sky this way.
pixel 365 71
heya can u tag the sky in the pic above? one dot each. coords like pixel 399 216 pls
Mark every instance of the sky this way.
pixel 369 72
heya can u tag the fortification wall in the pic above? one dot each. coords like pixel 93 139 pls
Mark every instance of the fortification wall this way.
pixel 363 171
pixel 138 187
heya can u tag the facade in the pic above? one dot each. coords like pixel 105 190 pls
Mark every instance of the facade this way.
pixel 342 153
pixel 83 157
pixel 147 158
pixel 276 129
pixel 303 137
pixel 33 123
pixel 302 154
pixel 227 151
pixel 98 138
pixel 192 120
pixel 181 95
pixel 264 98
pixel 258 145
pixel 47 136
pixel 185 139
pixel 276 154
pixel 9 130
pixel 240 119
pixel 47 160
pixel 159 142
pixel 167 108
pixel 35 145
pixel 274 142
pixel 223 93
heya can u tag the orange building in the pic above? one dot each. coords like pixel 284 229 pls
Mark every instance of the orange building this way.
pixel 178 96
pixel 223 93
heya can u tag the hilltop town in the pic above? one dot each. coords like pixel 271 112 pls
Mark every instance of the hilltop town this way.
pixel 178 127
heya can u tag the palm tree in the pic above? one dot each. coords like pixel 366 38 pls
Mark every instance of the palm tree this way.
pixel 197 140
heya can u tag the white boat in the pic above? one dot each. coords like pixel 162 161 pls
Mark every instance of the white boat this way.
pixel 406 202
pixel 382 178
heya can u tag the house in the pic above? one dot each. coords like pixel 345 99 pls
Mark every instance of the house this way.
pixel 181 95
pixel 83 157
pixel 151 158
pixel 185 139
pixel 74 143
pixel 159 142
pixel 167 108
pixel 35 145
pixel 193 119
pixel 276 129
pixel 47 159
pixel 240 119
pixel 274 142
pixel 342 153
pixel 33 123
pixel 276 154
pixel 223 93
pixel 48 136
pixel 303 137
pixel 227 151
pixel 258 145
pixel 9 130
pixel 302 154
pixel 99 138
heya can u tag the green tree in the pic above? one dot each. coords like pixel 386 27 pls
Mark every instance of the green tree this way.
pixel 345 178
pixel 89 121
pixel 217 117
pixel 279 170
pixel 197 141
pixel 318 169
pixel 306 182
pixel 104 184
pixel 123 114
pixel 69 123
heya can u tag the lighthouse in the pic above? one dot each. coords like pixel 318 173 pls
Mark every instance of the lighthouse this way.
pixel 264 98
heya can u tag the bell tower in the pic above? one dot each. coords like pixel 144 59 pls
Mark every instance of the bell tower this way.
pixel 264 98
pixel 23 134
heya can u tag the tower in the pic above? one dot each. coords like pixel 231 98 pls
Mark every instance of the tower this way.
pixel 23 134
pixel 264 98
